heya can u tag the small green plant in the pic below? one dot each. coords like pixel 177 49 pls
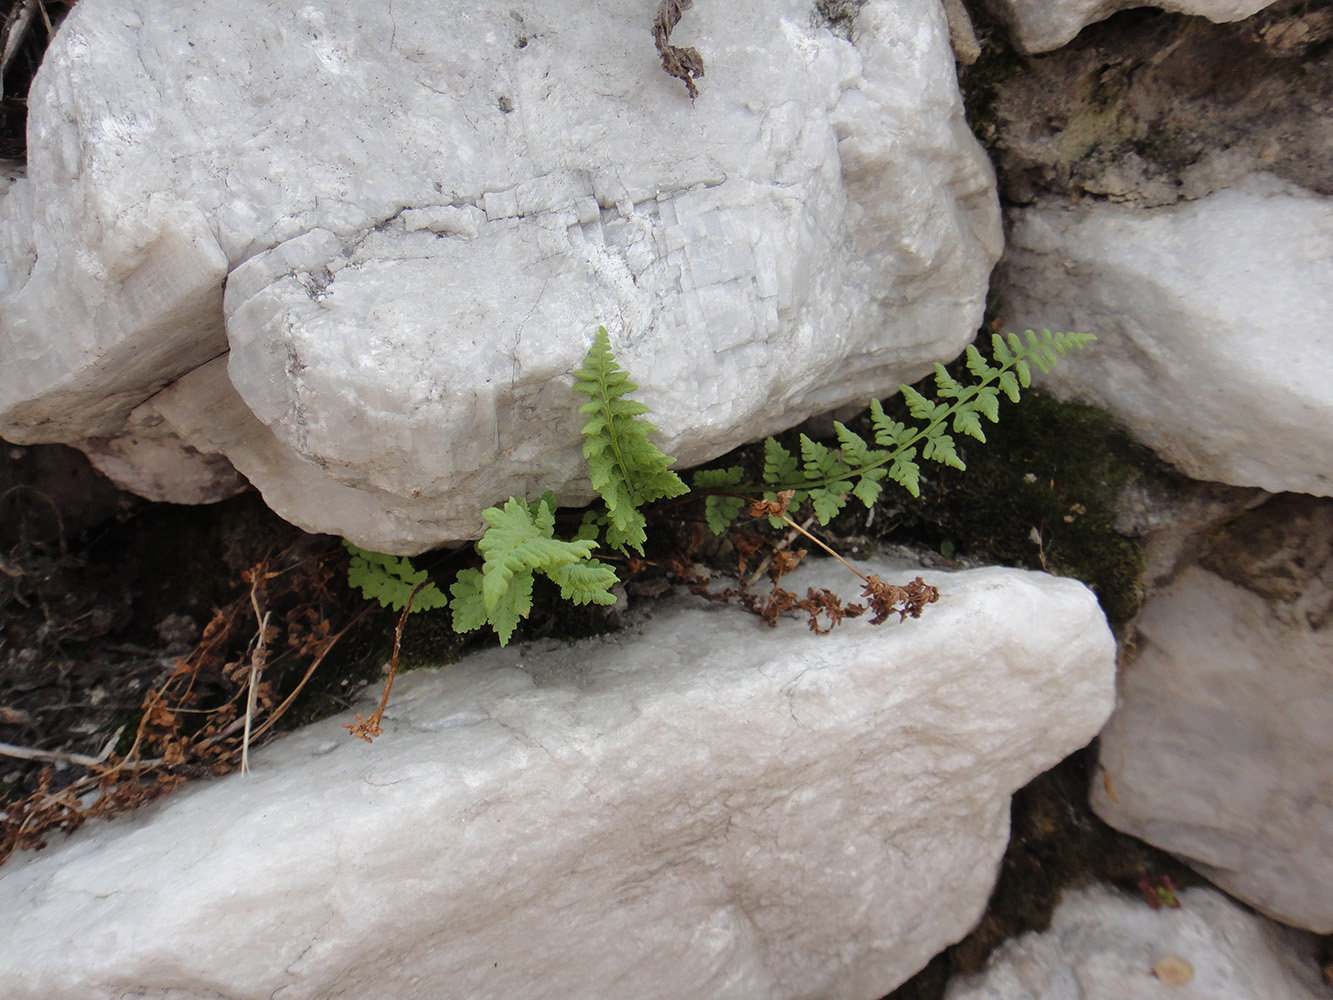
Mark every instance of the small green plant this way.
pixel 519 543
pixel 629 473
pixel 625 467
pixel 391 580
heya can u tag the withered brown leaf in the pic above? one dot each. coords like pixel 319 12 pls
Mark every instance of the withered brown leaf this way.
pixel 682 62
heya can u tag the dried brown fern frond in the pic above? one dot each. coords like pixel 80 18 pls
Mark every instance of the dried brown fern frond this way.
pixel 682 62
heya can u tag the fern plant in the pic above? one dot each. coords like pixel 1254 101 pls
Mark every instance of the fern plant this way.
pixel 625 467
pixel 629 472
pixel 826 476
pixel 391 580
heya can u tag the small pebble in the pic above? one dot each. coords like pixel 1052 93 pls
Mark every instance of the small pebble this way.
pixel 1173 970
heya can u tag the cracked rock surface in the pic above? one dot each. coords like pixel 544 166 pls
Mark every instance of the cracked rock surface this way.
pixel 422 213
pixel 697 807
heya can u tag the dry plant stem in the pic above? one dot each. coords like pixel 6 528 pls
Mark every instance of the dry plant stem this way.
pixel 277 713
pixel 257 660
pixel 368 729
pixel 58 756
pixel 824 547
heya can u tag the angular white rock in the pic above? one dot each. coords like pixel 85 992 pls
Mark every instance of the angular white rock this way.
pixel 698 807
pixel 1220 745
pixel 1214 325
pixel 1102 945
pixel 423 214
pixel 1042 25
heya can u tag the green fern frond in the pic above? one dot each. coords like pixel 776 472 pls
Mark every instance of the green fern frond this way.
pixel 390 580
pixel 585 582
pixel 626 468
pixel 720 510
pixel 826 476
pixel 469 604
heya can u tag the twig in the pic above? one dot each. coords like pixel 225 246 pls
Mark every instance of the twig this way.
pixel 52 756
pixel 778 508
pixel 277 712
pixel 824 547
pixel 252 696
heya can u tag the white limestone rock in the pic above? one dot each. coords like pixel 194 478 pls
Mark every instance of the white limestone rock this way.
pixel 1102 945
pixel 1214 322
pixel 1220 745
pixel 698 807
pixel 204 409
pixel 1042 25
pixel 423 214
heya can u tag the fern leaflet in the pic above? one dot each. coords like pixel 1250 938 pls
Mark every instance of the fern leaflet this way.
pixel 520 543
pixel 390 580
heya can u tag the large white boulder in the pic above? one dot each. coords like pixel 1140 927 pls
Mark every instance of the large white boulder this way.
pixel 1102 945
pixel 697 807
pixel 1214 325
pixel 422 214
pixel 1042 25
pixel 1220 745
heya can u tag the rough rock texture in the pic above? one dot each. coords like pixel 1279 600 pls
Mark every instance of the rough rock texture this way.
pixel 1174 528
pixel 699 807
pixel 1152 108
pixel 1042 25
pixel 1213 319
pixel 423 213
pixel 1220 745
pixel 1105 946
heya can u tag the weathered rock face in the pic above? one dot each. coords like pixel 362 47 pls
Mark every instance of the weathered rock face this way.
pixel 1104 946
pixel 1219 747
pixel 1213 320
pixel 1173 529
pixel 1171 179
pixel 1150 109
pixel 422 216
pixel 698 807
pixel 1042 25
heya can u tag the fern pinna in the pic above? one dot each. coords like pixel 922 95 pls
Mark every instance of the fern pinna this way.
pixel 519 543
